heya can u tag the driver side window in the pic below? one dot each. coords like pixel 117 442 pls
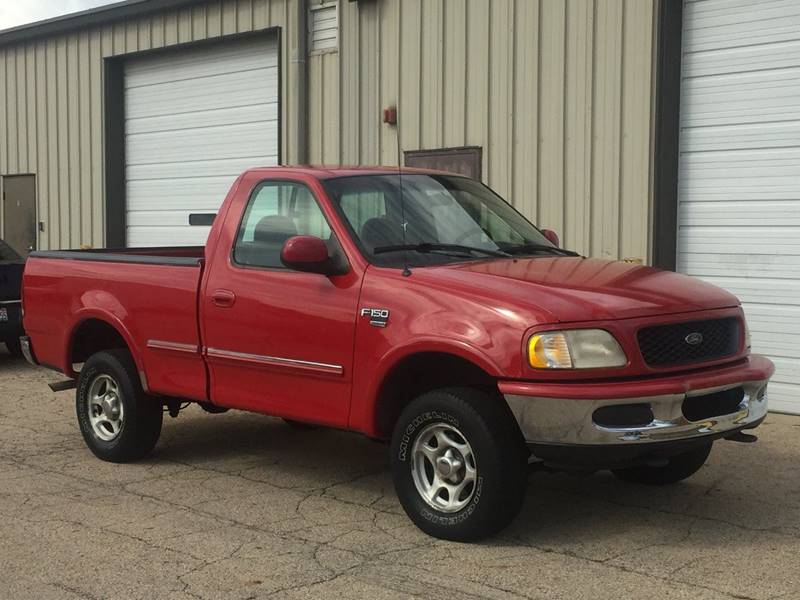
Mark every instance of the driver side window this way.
pixel 277 211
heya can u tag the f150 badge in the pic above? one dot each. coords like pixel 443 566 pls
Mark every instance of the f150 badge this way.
pixel 378 317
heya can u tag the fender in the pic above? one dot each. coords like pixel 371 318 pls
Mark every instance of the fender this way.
pixel 89 313
pixel 364 419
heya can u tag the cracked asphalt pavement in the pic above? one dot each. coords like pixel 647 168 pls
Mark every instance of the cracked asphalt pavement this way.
pixel 243 506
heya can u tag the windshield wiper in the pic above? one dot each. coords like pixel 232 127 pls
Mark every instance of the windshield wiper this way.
pixel 533 247
pixel 437 247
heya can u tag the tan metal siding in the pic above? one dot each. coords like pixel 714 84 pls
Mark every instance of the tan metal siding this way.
pixel 557 92
pixel 51 104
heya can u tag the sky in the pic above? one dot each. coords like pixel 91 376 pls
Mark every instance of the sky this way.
pixel 19 12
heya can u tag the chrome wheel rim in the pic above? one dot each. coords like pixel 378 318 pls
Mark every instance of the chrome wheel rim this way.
pixel 444 467
pixel 106 412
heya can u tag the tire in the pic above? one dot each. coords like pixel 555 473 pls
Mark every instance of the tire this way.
pixel 486 467
pixel 14 347
pixel 112 375
pixel 678 468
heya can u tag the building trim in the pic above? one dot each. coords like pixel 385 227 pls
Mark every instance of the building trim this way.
pixel 88 18
pixel 114 115
pixel 667 134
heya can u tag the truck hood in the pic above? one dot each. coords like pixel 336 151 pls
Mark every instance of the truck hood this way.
pixel 573 289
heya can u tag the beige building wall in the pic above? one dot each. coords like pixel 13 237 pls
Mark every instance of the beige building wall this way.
pixel 558 93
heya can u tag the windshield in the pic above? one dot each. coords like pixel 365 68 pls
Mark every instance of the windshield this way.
pixel 447 219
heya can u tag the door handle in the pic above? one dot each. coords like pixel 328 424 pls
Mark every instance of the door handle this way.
pixel 223 298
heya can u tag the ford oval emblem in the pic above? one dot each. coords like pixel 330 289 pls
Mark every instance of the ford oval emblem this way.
pixel 694 339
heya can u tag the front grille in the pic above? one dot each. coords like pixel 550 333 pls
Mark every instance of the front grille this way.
pixel 669 345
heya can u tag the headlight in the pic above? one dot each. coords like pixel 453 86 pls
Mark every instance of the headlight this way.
pixel 575 349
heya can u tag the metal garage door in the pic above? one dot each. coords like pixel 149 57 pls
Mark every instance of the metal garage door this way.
pixel 739 183
pixel 194 119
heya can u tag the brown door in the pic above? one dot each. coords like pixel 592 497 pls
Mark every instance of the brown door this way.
pixel 466 160
pixel 19 212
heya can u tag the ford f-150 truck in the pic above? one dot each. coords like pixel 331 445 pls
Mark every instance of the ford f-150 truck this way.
pixel 411 306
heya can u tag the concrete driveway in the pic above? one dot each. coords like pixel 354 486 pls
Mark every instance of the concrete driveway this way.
pixel 243 506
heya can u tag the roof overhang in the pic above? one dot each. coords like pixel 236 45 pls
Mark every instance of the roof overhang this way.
pixel 80 20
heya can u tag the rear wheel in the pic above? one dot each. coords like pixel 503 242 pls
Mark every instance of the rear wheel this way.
pixel 119 422
pixel 459 464
pixel 678 468
pixel 14 347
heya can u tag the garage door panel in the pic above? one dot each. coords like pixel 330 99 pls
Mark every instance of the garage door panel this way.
pixel 746 265
pixel 787 370
pixel 783 398
pixel 203 143
pixel 194 120
pixel 143 237
pixel 238 89
pixel 196 63
pixel 741 98
pixel 725 23
pixel 740 213
pixel 754 175
pixel 186 169
pixel 739 168
pixel 742 59
pixel 781 134
pixel 782 292
pixel 730 240
pixel 205 118
pixel 160 218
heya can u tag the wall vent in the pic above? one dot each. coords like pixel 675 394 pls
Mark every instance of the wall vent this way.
pixel 323 26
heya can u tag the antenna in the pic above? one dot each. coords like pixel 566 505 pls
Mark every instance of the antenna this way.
pixel 406 270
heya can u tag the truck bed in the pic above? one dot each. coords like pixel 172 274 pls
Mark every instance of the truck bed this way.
pixel 149 295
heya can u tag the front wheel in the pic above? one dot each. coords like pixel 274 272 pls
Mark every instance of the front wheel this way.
pixel 119 422
pixel 677 468
pixel 459 464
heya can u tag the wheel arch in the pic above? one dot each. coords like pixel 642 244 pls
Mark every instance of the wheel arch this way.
pixel 417 372
pixel 95 332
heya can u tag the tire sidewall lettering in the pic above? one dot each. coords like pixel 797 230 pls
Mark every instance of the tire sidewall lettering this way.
pixel 464 514
pixel 422 419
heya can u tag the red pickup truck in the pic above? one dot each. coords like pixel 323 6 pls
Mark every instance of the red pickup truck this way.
pixel 418 308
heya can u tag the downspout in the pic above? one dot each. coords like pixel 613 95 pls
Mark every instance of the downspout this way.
pixel 299 84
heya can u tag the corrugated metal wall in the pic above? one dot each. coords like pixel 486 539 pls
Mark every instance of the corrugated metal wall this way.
pixel 51 104
pixel 556 92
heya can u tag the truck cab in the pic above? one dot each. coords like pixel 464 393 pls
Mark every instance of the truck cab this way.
pixel 414 307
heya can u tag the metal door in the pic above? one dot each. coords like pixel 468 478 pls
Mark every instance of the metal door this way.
pixel 19 212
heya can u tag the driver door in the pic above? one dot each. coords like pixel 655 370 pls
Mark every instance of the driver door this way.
pixel 280 341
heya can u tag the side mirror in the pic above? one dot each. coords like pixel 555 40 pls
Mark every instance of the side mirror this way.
pixel 309 254
pixel 552 237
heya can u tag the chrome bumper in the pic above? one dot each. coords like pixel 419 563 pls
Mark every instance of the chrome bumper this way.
pixel 27 350
pixel 561 421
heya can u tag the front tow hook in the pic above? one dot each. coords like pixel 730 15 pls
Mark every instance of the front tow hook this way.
pixel 741 436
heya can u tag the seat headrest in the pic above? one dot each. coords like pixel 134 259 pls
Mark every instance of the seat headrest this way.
pixel 380 231
pixel 274 228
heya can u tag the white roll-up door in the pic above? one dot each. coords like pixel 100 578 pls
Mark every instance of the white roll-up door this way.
pixel 194 120
pixel 739 181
